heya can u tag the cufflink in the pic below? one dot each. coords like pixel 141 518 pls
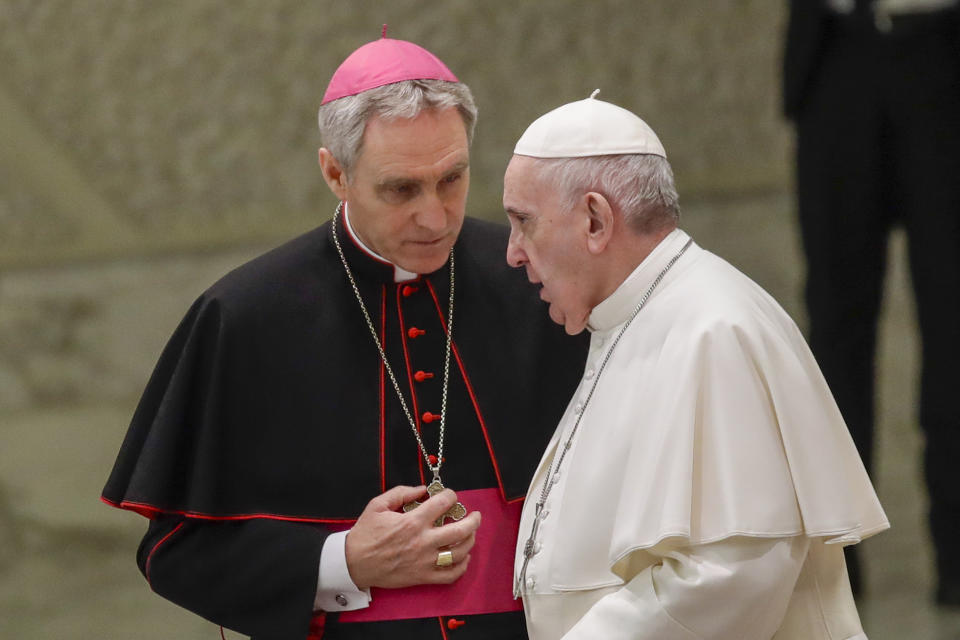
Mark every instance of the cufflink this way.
pixel 341 600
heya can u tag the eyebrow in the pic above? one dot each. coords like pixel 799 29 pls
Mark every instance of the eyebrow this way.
pixel 387 183
pixel 460 167
pixel 390 183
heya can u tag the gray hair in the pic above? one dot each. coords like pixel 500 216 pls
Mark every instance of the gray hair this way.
pixel 343 121
pixel 640 185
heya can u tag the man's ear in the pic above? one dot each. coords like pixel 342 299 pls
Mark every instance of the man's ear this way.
pixel 333 173
pixel 600 215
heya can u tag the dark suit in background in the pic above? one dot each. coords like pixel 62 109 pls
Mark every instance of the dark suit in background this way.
pixel 876 103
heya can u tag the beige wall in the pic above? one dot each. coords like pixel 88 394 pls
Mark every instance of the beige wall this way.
pixel 135 127
pixel 137 137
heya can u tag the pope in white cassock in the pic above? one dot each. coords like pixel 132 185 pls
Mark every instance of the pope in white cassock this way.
pixel 702 483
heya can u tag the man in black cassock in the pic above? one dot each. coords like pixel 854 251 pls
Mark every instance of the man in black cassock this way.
pixel 284 444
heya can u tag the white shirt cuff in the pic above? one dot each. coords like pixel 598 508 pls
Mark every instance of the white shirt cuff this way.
pixel 335 589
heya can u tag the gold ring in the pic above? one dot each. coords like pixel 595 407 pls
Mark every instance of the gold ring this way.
pixel 445 558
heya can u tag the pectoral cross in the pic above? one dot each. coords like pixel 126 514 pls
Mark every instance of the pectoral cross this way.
pixel 456 512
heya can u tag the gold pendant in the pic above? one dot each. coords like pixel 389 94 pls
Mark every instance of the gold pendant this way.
pixel 456 512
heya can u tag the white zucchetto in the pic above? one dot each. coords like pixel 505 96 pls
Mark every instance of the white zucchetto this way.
pixel 588 127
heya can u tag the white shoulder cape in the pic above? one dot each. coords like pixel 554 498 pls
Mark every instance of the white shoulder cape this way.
pixel 710 420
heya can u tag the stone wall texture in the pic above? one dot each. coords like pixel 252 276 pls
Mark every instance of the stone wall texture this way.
pixel 139 139
pixel 134 127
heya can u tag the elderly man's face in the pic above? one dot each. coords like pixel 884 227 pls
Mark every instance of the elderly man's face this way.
pixel 407 192
pixel 549 242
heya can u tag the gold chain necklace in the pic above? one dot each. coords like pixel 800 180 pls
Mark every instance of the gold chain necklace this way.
pixel 457 511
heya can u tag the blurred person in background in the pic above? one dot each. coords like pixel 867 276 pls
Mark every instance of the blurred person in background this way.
pixel 873 87
pixel 378 350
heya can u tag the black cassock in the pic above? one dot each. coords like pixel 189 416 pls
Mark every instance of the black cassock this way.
pixel 270 418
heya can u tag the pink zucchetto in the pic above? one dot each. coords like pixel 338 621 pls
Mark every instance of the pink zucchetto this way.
pixel 382 62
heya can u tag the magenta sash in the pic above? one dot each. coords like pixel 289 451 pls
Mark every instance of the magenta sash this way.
pixel 486 587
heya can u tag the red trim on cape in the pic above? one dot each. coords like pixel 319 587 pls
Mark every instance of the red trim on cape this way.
pixel 150 511
pixel 146 565
pixel 473 398
pixel 413 393
pixel 443 631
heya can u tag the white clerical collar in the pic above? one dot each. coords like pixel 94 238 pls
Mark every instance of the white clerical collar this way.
pixel 399 274
pixel 618 306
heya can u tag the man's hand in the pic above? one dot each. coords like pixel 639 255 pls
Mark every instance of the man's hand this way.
pixel 389 549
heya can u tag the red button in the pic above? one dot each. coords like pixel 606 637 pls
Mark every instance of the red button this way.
pixel 430 417
pixel 409 291
pixel 414 332
pixel 420 376
pixel 432 459
pixel 454 624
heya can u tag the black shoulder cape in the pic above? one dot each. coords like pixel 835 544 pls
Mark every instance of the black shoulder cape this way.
pixel 270 401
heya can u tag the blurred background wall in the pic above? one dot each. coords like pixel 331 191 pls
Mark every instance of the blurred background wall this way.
pixel 146 148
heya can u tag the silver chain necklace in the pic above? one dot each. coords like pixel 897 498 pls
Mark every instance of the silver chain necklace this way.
pixel 551 478
pixel 457 511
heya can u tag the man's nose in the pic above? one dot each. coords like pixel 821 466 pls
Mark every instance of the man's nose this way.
pixel 433 214
pixel 515 255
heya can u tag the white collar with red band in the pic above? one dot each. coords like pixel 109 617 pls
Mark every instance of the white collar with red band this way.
pixel 399 274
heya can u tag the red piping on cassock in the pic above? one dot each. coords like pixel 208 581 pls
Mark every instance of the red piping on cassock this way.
pixel 151 512
pixel 146 565
pixel 413 394
pixel 473 397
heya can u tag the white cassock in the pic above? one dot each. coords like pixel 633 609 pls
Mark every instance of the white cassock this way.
pixel 711 485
